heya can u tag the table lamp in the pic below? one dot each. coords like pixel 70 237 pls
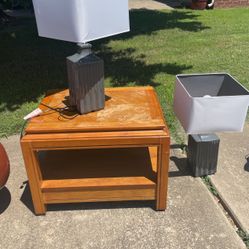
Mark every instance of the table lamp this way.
pixel 204 104
pixel 82 21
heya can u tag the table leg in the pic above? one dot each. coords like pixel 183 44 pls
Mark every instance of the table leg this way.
pixel 34 176
pixel 162 174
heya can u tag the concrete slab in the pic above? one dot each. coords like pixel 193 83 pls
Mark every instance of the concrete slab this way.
pixel 193 219
pixel 148 4
pixel 232 177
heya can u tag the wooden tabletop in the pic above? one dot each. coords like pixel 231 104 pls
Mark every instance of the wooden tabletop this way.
pixel 126 109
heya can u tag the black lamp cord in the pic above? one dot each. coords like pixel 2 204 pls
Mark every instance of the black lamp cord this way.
pixel 59 110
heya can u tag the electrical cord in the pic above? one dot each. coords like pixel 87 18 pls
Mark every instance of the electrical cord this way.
pixel 60 110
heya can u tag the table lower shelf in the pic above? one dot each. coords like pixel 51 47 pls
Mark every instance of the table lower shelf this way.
pixel 98 175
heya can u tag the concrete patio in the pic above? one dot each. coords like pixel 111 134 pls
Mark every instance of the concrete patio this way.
pixel 193 218
pixel 154 4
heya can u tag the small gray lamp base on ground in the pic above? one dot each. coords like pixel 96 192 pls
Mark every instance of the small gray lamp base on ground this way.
pixel 203 154
pixel 86 80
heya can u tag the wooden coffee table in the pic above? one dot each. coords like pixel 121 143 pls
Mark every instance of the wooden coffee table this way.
pixel 118 153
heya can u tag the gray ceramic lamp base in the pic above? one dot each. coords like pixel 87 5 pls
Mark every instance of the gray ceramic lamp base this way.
pixel 203 154
pixel 86 80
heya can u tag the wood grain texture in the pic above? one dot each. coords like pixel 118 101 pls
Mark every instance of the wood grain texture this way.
pixel 137 182
pixel 125 109
pixel 162 174
pixel 95 139
pixel 97 163
pixel 101 195
pixel 98 175
pixel 34 176
pixel 121 153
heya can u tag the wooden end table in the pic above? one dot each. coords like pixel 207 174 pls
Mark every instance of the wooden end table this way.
pixel 118 153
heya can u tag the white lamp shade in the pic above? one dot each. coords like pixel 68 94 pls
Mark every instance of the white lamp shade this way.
pixel 208 103
pixel 81 20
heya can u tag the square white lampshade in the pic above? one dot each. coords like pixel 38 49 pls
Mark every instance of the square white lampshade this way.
pixel 207 103
pixel 81 20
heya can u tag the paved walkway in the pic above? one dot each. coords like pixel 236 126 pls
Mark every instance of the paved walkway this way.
pixel 193 218
pixel 232 178
pixel 153 4
pixel 147 4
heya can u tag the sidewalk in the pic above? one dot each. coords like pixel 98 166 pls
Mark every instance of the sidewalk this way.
pixel 232 177
pixel 154 4
pixel 193 218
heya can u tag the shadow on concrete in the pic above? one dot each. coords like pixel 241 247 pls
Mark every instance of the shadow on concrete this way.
pixel 178 146
pixel 180 162
pixel 27 201
pixel 182 165
pixel 26 198
pixel 246 167
pixel 5 199
pixel 101 205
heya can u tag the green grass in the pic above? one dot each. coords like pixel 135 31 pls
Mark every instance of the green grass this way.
pixel 160 45
pixel 244 236
pixel 207 182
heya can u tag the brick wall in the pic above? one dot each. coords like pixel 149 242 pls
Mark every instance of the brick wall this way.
pixel 230 3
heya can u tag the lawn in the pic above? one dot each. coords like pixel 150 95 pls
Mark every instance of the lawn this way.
pixel 159 46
